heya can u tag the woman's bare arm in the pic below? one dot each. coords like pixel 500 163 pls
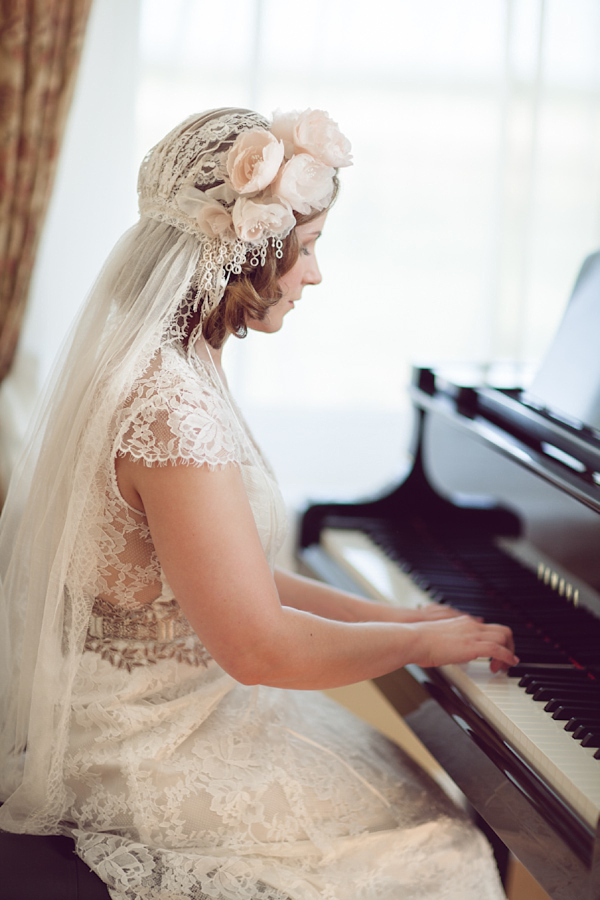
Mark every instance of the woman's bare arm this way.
pixel 322 600
pixel 206 540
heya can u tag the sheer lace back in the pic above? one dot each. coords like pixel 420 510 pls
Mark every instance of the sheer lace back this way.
pixel 176 413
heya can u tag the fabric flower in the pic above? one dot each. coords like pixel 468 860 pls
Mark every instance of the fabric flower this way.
pixel 254 160
pixel 212 218
pixel 305 183
pixel 223 193
pixel 314 132
pixel 254 220
pixel 283 129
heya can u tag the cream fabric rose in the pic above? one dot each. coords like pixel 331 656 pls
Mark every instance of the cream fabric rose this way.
pixel 254 220
pixel 314 132
pixel 254 160
pixel 223 193
pixel 212 218
pixel 283 129
pixel 305 184
pixel 215 221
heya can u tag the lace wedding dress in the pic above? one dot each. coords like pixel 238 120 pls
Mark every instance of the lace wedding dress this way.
pixel 183 783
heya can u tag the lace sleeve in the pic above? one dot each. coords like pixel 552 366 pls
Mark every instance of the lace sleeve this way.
pixel 174 416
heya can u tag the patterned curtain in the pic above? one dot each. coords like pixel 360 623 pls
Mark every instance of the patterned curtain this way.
pixel 40 47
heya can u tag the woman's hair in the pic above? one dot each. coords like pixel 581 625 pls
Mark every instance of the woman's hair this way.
pixel 251 293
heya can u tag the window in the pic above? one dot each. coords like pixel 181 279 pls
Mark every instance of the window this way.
pixel 458 233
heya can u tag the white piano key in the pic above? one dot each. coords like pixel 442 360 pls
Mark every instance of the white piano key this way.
pixel 570 769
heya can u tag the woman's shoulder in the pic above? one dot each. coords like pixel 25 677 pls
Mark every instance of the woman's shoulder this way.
pixel 170 365
pixel 177 411
pixel 174 378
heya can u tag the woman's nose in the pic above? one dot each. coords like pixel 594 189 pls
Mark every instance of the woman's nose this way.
pixel 313 276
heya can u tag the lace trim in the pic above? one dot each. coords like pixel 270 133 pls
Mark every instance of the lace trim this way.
pixel 140 637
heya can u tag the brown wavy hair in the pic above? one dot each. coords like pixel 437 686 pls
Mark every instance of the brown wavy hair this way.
pixel 251 293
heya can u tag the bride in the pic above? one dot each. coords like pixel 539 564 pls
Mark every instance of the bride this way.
pixel 161 676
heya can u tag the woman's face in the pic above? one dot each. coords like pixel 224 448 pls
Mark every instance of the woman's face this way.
pixel 304 271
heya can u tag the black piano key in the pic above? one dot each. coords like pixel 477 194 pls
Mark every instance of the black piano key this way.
pixel 555 703
pixel 572 688
pixel 566 678
pixel 567 694
pixel 521 669
pixel 586 699
pixel 591 739
pixel 550 655
pixel 565 713
pixel 578 722
pixel 593 723
pixel 568 682
pixel 581 714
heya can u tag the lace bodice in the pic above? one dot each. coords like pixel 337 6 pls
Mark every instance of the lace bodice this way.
pixel 178 412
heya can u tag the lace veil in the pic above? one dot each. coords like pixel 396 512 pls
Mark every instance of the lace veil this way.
pixel 180 253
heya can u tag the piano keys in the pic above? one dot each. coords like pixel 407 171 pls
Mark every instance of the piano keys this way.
pixel 524 747
pixel 505 701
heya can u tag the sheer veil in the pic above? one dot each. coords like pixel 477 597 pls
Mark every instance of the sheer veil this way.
pixel 141 301
pixel 54 495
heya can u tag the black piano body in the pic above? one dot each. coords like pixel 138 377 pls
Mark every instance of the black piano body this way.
pixel 528 554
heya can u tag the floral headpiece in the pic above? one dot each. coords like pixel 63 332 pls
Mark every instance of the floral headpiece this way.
pixel 270 174
pixel 234 180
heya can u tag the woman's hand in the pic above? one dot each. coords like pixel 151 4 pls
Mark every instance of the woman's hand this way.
pixel 461 639
pixel 430 613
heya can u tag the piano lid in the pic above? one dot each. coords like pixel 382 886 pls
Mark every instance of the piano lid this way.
pixel 567 383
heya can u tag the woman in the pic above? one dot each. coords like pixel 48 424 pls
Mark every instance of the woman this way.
pixel 151 645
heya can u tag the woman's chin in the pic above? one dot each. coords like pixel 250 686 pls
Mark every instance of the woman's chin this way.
pixel 266 326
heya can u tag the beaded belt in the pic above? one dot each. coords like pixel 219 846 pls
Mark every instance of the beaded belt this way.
pixel 145 623
pixel 144 635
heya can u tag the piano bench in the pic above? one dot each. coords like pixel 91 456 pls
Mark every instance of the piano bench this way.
pixel 45 866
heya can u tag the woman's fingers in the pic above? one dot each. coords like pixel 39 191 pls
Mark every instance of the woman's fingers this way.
pixel 498 644
pixel 435 611
pixel 463 638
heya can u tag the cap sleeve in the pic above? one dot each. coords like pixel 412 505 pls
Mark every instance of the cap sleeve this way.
pixel 174 416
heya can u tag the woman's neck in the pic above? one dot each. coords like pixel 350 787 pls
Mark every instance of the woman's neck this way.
pixel 210 354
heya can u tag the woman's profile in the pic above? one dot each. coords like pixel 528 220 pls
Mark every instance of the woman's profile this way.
pixel 161 675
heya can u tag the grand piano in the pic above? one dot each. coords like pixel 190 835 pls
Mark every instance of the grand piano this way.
pixel 499 517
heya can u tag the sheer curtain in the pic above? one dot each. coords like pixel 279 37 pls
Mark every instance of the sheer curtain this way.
pixel 474 197
pixel 40 47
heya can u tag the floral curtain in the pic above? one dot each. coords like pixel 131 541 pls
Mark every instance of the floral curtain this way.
pixel 40 47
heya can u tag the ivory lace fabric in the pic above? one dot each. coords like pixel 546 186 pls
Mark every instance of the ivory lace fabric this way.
pixel 181 783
